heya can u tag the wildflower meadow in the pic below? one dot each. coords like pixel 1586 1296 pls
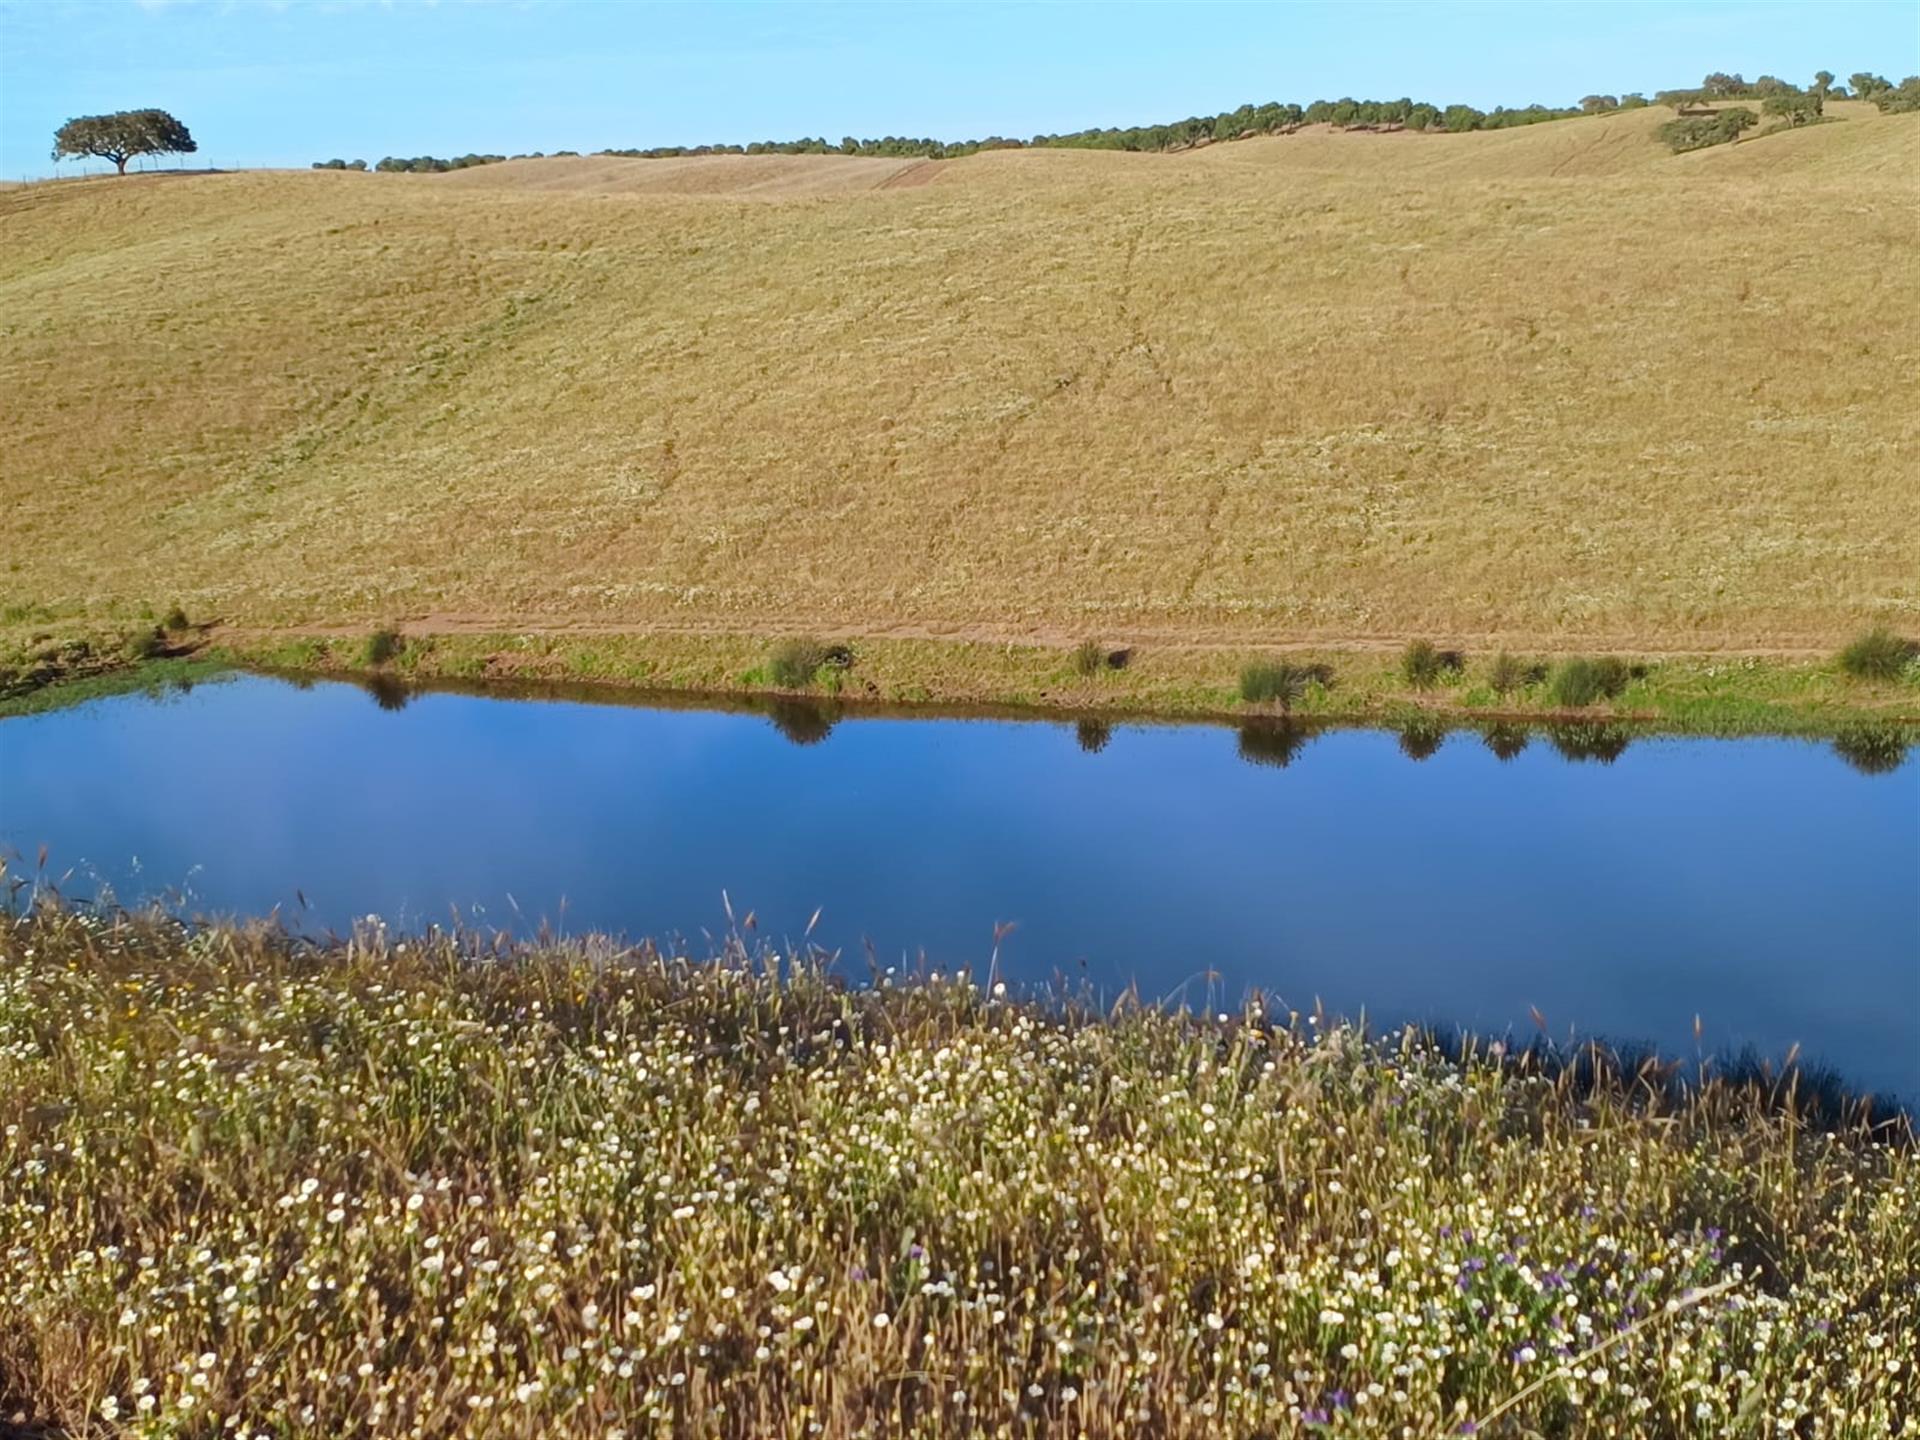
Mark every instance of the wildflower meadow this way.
pixel 438 1186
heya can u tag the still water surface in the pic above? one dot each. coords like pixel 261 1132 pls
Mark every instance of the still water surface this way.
pixel 1765 885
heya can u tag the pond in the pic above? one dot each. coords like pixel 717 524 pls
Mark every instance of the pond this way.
pixel 1619 886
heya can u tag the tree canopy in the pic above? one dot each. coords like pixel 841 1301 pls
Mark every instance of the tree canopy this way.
pixel 1795 109
pixel 1899 99
pixel 122 135
pixel 1697 133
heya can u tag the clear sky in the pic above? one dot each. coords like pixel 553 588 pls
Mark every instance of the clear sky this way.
pixel 265 83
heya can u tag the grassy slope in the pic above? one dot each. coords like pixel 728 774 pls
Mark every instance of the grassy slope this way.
pixel 1549 387
pixel 381 1190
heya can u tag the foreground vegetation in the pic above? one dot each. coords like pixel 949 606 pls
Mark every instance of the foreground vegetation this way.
pixel 432 1187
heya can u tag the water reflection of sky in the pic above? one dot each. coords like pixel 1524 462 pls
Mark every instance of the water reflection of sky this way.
pixel 1763 884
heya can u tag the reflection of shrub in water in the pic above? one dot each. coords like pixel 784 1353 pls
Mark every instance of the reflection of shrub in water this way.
pixel 802 721
pixel 1421 737
pixel 1872 749
pixel 1590 741
pixel 1272 743
pixel 389 692
pixel 1505 741
pixel 1093 735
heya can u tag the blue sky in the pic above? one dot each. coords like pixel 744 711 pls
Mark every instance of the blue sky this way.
pixel 262 83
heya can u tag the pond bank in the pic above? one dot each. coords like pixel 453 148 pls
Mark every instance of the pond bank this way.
pixel 1688 695
pixel 1703 695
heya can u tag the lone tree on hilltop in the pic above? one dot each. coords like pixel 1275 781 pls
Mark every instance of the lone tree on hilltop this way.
pixel 121 136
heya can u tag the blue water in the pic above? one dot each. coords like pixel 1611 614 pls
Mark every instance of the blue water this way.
pixel 1765 885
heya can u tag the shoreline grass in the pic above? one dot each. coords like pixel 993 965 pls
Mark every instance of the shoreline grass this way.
pixel 1708 694
pixel 1700 695
pixel 435 1185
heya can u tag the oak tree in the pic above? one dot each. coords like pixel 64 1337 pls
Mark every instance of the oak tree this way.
pixel 121 136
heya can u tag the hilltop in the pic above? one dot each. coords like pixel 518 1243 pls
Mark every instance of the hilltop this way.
pixel 1548 386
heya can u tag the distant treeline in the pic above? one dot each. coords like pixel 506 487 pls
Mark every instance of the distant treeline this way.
pixel 431 164
pixel 1865 86
pixel 1272 118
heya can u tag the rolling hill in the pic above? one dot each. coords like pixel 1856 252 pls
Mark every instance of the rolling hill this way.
pixel 1548 385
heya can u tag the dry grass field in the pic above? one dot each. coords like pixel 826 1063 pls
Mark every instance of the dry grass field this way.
pixel 1549 387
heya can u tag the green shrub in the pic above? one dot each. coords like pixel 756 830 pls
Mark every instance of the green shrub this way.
pixel 1509 673
pixel 1581 681
pixel 1273 682
pixel 1421 664
pixel 1089 658
pixel 146 643
pixel 176 620
pixel 1878 654
pixel 382 645
pixel 794 663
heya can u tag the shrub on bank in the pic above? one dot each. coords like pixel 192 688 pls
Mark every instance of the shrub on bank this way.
pixel 566 1188
pixel 1878 654
pixel 1273 682
pixel 381 646
pixel 1421 665
pixel 1508 673
pixel 145 643
pixel 794 663
pixel 1582 681
pixel 1089 658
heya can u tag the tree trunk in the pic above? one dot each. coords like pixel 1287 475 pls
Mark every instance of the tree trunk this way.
pixel 122 163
